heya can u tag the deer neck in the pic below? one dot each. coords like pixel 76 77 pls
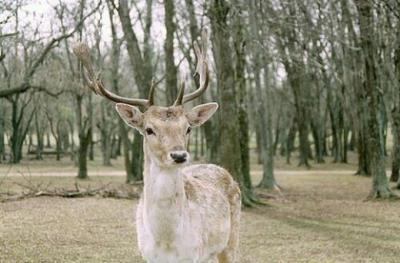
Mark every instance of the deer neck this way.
pixel 164 199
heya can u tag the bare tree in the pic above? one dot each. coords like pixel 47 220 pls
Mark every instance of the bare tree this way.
pixel 380 186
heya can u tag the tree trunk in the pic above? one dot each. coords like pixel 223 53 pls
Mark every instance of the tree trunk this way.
pixel 318 142
pixel 142 72
pixel 196 145
pixel 2 131
pixel 240 81
pixel 380 185
pixel 302 119
pixel 84 133
pixel 396 145
pixel 126 147
pixel 137 161
pixel 72 141
pixel 58 138
pixel 90 119
pixel 263 109
pixel 107 151
pixel 202 142
pixel 84 141
pixel 229 149
pixel 396 115
pixel 20 127
pixel 48 142
pixel 258 139
pixel 170 68
pixel 277 133
pixel 290 140
pixel 334 129
pixel 290 51
pixel 123 130
pixel 58 149
pixel 263 112
pixel 211 135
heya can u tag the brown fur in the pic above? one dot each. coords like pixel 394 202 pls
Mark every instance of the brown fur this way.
pixel 219 178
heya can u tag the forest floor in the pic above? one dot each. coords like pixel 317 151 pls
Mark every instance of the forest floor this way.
pixel 320 216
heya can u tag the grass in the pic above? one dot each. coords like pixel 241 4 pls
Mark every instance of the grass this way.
pixel 320 216
pixel 49 166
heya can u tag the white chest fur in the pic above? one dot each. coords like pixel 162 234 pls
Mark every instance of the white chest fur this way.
pixel 165 230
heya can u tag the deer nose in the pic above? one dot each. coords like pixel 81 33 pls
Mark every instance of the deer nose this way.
pixel 179 156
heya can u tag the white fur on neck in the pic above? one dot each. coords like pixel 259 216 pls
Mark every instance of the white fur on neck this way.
pixel 165 213
pixel 163 183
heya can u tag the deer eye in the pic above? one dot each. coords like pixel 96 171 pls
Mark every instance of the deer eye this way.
pixel 149 131
pixel 189 130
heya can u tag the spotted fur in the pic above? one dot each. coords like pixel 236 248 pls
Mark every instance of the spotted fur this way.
pixel 187 213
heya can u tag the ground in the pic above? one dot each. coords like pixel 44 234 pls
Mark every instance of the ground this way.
pixel 321 216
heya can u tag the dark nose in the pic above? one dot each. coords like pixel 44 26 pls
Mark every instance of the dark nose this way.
pixel 179 156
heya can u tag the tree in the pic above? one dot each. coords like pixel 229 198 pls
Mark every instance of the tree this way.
pixel 292 55
pixel 115 85
pixel 229 149
pixel 142 72
pixel 380 186
pixel 263 112
pixel 396 113
pixel 171 82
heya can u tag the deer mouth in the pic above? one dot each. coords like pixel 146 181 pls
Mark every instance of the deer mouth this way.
pixel 180 161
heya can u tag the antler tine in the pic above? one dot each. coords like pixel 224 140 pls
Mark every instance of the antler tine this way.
pixel 179 99
pixel 81 51
pixel 201 68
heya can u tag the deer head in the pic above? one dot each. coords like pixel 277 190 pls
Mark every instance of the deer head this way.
pixel 165 129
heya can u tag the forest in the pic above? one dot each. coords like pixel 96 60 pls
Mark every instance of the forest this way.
pixel 309 108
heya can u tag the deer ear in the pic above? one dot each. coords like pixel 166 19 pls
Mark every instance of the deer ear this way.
pixel 200 114
pixel 130 114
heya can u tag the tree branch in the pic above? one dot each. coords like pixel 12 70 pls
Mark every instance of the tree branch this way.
pixel 9 35
pixel 49 46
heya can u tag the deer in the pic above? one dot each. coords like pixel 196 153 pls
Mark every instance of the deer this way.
pixel 187 213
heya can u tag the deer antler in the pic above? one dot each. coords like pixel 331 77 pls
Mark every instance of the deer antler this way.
pixel 81 51
pixel 201 71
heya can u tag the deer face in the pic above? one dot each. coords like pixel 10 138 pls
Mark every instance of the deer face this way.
pixel 166 129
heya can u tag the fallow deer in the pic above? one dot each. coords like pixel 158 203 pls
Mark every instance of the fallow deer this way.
pixel 187 213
